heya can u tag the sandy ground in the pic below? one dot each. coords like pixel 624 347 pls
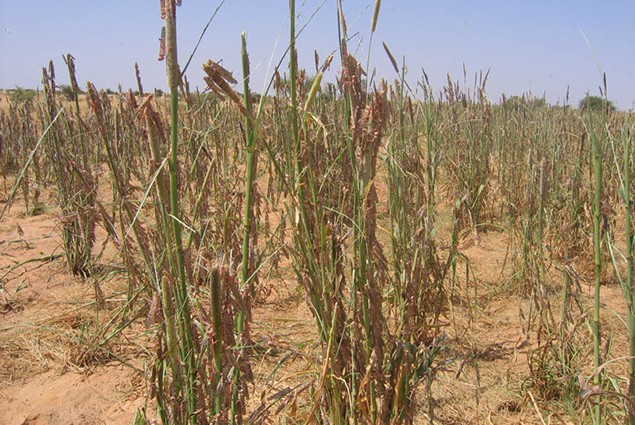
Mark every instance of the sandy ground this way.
pixel 49 376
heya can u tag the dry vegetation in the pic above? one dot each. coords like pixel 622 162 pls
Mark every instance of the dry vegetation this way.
pixel 359 252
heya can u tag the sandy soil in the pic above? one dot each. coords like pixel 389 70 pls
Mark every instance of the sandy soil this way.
pixel 48 375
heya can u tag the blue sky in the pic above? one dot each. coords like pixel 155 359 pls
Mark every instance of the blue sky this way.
pixel 532 46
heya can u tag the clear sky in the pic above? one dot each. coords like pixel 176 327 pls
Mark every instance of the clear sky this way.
pixel 534 46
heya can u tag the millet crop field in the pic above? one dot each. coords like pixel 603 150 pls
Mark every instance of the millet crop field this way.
pixel 360 251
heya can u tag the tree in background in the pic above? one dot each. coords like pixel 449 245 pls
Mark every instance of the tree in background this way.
pixel 596 103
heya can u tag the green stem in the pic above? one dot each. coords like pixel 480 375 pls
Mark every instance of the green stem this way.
pixel 251 168
pixel 630 289
pixel 597 238
pixel 247 219
pixel 294 95
pixel 181 292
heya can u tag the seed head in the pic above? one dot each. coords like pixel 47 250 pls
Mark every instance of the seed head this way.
pixel 162 49
pixel 219 79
